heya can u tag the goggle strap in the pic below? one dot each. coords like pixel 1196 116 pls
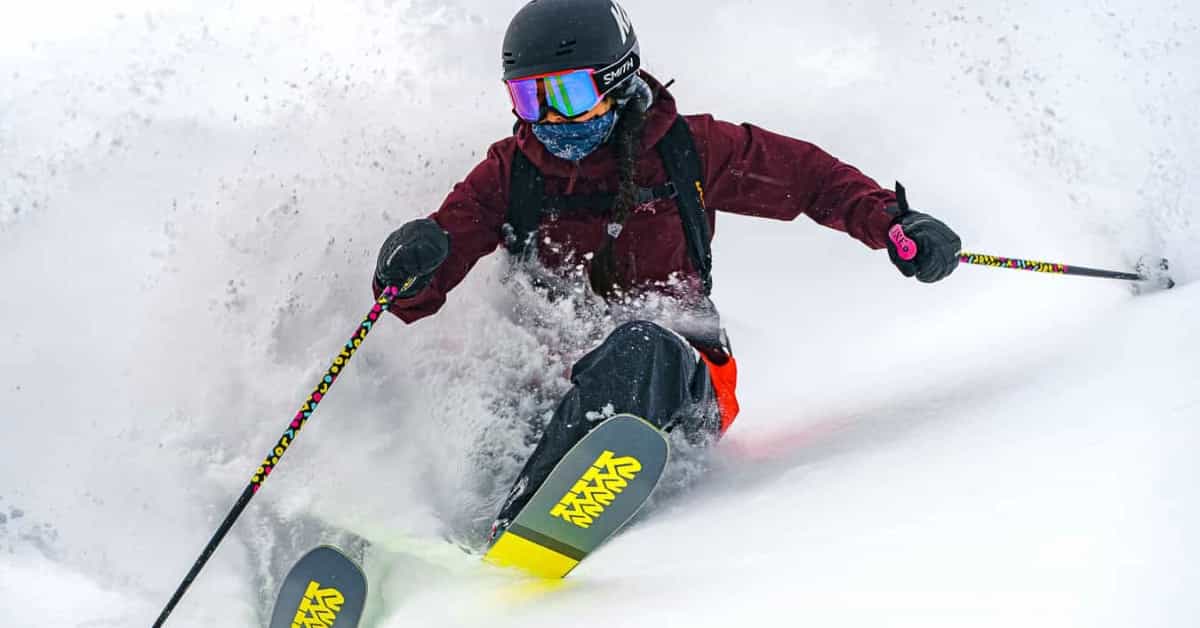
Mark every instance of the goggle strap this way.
pixel 608 77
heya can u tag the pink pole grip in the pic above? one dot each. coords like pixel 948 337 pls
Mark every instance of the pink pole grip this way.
pixel 905 247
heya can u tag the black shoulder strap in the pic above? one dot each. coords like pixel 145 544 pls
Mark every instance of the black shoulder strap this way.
pixel 527 191
pixel 678 151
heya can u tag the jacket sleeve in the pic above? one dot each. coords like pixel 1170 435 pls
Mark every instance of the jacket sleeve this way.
pixel 473 214
pixel 755 172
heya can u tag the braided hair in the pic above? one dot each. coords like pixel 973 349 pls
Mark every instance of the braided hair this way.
pixel 634 102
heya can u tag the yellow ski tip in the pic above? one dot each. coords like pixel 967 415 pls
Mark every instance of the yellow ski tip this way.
pixel 518 552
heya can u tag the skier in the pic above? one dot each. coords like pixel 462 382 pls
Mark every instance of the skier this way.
pixel 603 171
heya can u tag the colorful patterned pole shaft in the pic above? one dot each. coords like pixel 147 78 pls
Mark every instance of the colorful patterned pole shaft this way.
pixel 289 437
pixel 1044 267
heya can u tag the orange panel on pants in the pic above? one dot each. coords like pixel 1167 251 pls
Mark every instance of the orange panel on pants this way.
pixel 724 382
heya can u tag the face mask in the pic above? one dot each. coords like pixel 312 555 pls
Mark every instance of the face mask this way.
pixel 573 141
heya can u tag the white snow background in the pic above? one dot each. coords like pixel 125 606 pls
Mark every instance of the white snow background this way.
pixel 192 195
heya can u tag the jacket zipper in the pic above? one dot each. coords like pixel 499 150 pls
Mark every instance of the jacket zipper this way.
pixel 574 177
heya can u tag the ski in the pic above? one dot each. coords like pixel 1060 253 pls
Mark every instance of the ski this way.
pixel 325 589
pixel 594 490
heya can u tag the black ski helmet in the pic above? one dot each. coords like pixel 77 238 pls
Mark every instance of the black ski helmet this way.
pixel 554 35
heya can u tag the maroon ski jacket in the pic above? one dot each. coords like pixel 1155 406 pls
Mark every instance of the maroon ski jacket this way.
pixel 747 170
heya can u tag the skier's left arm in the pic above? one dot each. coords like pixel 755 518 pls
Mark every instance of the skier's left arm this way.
pixel 754 172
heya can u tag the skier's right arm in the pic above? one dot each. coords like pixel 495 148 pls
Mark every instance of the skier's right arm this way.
pixel 442 249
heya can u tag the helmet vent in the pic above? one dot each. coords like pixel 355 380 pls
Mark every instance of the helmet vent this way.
pixel 566 47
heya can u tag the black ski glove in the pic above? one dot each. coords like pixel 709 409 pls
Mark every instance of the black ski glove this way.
pixel 920 244
pixel 415 250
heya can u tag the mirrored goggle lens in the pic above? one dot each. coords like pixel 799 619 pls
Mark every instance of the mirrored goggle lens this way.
pixel 525 99
pixel 570 93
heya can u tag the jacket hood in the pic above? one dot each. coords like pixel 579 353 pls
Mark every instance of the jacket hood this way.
pixel 603 162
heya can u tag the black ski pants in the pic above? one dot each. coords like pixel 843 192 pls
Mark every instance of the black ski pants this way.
pixel 641 369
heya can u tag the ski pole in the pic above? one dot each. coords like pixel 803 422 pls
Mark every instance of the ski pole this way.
pixel 285 441
pixel 1145 272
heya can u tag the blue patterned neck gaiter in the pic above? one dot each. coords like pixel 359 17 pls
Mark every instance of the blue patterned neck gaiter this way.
pixel 573 141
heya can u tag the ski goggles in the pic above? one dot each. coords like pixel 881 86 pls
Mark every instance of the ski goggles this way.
pixel 569 92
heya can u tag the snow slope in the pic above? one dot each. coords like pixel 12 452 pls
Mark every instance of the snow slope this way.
pixel 191 196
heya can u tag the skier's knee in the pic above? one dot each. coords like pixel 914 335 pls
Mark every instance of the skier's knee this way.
pixel 637 357
pixel 642 336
